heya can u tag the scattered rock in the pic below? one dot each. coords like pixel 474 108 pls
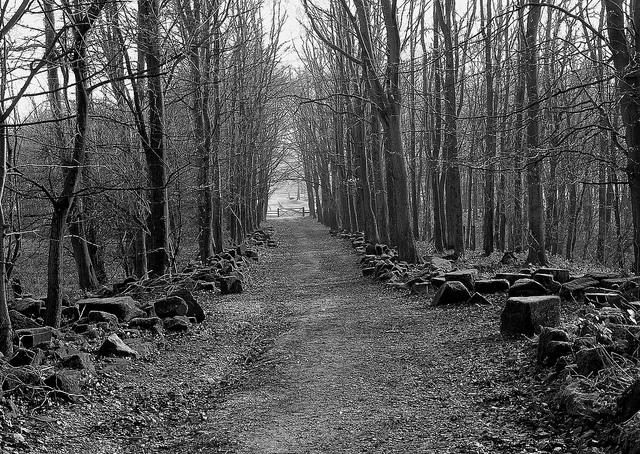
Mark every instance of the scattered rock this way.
pixel 102 317
pixel 437 281
pixel 78 361
pixel 527 287
pixel 420 288
pixel 32 337
pixel 20 321
pixel 123 307
pixel 65 382
pixel 230 284
pixel 27 306
pixel 552 344
pixel 25 357
pixel 148 323
pixel 114 346
pixel 603 299
pixel 467 277
pixel 628 403
pixel 528 314
pixel 194 309
pixel 575 401
pixel 590 360
pixel 512 277
pixel 492 285
pixel 170 307
pixel 177 324
pixel 572 289
pixel 453 292
pixel 548 282
pixel 560 275
pixel 205 286
pixel 478 299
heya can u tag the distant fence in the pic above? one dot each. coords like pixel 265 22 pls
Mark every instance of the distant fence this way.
pixel 282 212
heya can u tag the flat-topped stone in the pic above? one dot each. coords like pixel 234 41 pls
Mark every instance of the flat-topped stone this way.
pixel 512 277
pixel 528 314
pixel 527 287
pixel 573 287
pixel 559 274
pixel 603 299
pixel 467 277
pixel 492 285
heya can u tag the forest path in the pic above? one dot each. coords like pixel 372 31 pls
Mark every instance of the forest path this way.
pixel 364 369
pixel 314 358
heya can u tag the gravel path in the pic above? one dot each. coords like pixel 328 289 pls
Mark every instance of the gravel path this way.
pixel 332 362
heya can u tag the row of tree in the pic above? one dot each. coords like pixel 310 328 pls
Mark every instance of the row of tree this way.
pixel 514 122
pixel 134 127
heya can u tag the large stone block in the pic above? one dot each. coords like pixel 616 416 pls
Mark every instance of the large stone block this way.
pixel 123 307
pixel 453 292
pixel 528 314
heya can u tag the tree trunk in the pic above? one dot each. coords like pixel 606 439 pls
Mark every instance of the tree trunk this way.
pixel 158 245
pixel 536 240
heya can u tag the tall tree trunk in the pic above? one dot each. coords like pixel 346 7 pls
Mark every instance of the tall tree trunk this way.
pixel 536 240
pixel 490 138
pixel 453 194
pixel 158 245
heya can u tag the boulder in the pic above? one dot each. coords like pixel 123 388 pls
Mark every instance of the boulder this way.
pixel 628 403
pixel 512 277
pixel 453 292
pixel 102 317
pixel 492 285
pixel 123 307
pixel 78 361
pixel 170 307
pixel 547 282
pixel 553 343
pixel 250 253
pixel 573 288
pixel 559 274
pixel 478 299
pixel 32 337
pixel 177 324
pixel 20 321
pixel 590 360
pixel 467 277
pixel 528 314
pixel 66 383
pixel 370 249
pixel 230 284
pixel 114 346
pixel 194 309
pixel 527 287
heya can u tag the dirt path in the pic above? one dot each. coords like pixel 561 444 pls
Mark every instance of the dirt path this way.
pixel 357 369
pixel 366 370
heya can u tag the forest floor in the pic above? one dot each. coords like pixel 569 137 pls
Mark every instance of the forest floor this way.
pixel 314 358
